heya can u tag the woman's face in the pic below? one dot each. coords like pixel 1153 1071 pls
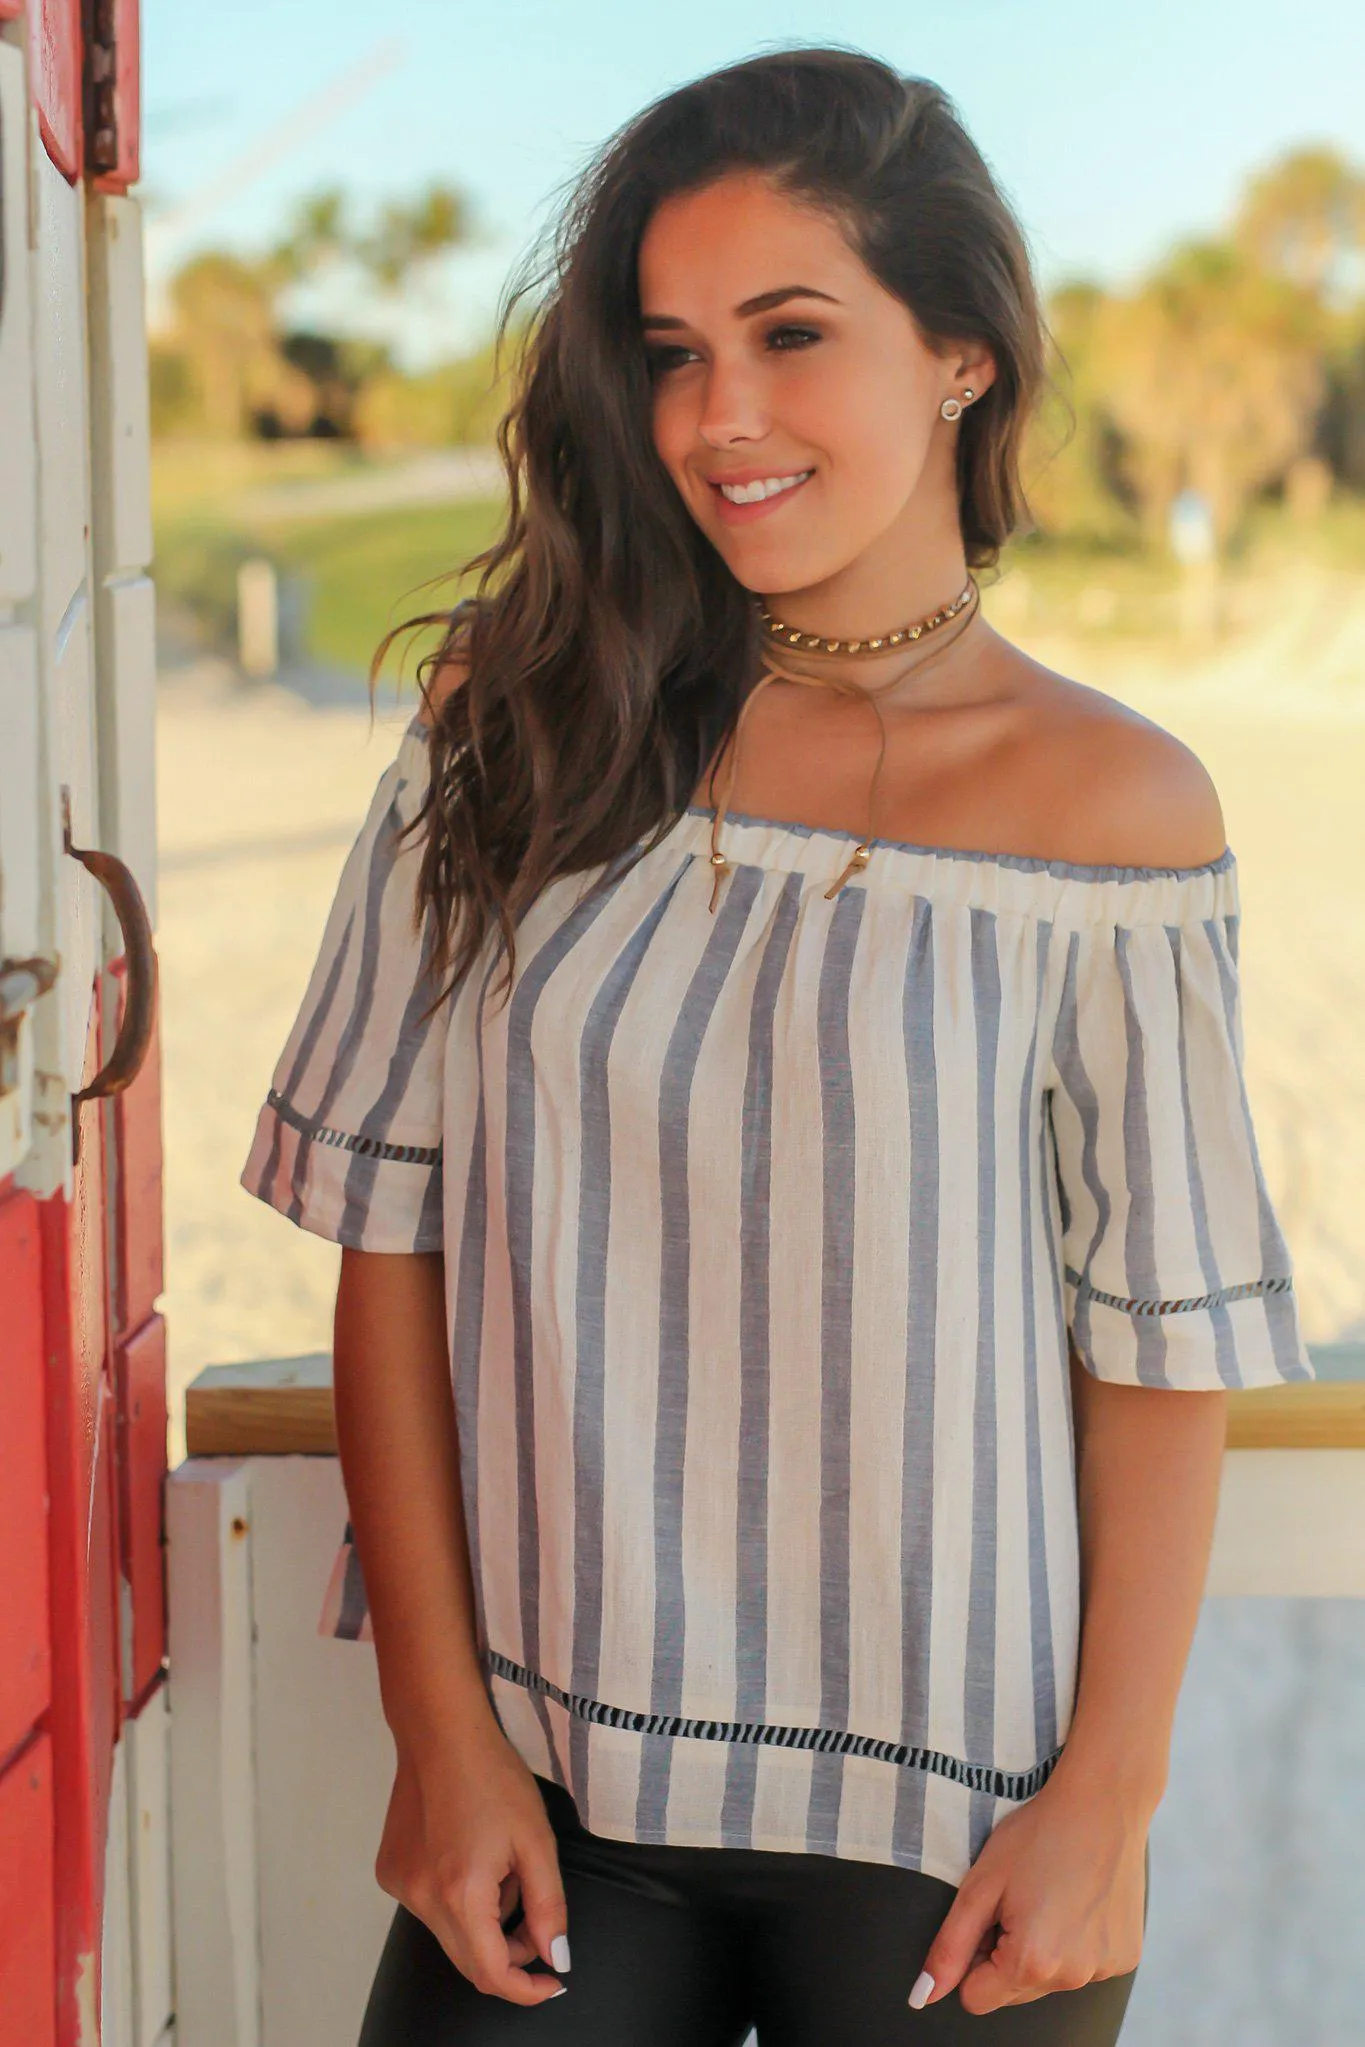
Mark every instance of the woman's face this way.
pixel 778 358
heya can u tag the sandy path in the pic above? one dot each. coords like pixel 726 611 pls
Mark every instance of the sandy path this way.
pixel 260 796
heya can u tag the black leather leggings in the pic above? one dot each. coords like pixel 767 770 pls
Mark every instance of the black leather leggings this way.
pixel 693 1947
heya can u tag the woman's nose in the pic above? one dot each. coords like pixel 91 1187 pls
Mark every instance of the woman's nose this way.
pixel 732 407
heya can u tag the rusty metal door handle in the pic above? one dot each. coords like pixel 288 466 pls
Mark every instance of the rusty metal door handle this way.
pixel 121 1068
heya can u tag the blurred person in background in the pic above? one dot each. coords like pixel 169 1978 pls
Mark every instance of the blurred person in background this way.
pixel 774 1066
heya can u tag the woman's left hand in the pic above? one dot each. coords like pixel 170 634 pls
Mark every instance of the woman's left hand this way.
pixel 1054 1900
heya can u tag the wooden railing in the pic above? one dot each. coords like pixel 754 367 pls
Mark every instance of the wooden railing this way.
pixel 283 1405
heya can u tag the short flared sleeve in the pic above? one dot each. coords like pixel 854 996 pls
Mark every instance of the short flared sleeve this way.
pixel 1176 1270
pixel 348 1140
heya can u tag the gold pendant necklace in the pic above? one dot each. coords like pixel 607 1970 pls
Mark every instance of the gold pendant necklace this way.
pixel 969 602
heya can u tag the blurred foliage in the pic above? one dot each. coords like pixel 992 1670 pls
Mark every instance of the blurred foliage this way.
pixel 1304 219
pixel 457 403
pixel 1215 377
pixel 1236 368
pixel 1073 458
pixel 403 236
pixel 232 367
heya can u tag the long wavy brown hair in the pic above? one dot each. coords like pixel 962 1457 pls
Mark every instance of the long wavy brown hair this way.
pixel 607 645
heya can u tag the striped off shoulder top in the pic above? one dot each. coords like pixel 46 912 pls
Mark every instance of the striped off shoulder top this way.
pixel 766 1232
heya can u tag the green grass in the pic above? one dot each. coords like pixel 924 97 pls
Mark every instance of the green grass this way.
pixel 365 573
pixel 360 573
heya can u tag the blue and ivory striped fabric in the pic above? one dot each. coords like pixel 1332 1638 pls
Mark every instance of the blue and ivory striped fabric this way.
pixel 764 1232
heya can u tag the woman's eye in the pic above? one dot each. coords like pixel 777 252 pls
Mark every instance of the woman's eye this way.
pixel 782 340
pixel 795 337
pixel 661 359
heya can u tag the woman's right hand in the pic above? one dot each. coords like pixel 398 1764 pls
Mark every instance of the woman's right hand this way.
pixel 465 1836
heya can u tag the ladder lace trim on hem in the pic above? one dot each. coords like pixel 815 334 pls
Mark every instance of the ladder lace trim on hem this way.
pixel 347 1140
pixel 1015 1784
pixel 1280 1284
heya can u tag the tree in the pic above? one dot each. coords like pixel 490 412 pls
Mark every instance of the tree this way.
pixel 1073 469
pixel 402 239
pixel 225 316
pixel 1215 373
pixel 236 351
pixel 406 237
pixel 1304 220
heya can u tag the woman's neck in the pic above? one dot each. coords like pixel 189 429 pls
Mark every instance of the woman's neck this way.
pixel 871 600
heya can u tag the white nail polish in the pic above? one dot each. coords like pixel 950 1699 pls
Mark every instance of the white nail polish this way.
pixel 559 1951
pixel 919 1996
pixel 557 1993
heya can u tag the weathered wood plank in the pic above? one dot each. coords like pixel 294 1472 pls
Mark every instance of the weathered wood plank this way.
pixel 1322 1415
pixel 269 1407
pixel 280 1406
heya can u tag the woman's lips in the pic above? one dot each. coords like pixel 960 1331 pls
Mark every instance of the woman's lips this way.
pixel 744 515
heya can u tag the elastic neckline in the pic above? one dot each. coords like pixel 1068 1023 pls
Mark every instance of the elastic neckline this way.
pixel 1026 863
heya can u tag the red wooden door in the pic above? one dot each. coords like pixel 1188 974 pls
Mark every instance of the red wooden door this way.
pixel 82 1399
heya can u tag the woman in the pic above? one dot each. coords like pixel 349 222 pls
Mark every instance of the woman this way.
pixel 820 1164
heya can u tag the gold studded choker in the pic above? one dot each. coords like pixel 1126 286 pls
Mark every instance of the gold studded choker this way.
pixel 792 636
pixel 964 609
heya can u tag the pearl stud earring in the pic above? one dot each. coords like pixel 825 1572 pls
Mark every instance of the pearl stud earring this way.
pixel 951 408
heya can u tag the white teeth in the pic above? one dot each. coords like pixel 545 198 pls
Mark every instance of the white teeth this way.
pixel 765 487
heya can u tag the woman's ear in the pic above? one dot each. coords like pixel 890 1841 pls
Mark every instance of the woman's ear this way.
pixel 976 367
pixel 448 676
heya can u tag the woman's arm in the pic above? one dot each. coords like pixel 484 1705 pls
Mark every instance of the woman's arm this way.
pixel 1149 1462
pixel 466 1832
pixel 1064 1876
pixel 395 1425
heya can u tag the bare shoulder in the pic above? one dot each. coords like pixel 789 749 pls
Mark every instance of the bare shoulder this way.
pixel 1132 793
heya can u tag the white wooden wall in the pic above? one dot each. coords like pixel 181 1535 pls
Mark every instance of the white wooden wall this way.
pixel 281 1762
pixel 77 654
pixel 137 2008
pixel 65 621
pixel 77 690
pixel 21 923
pixel 124 600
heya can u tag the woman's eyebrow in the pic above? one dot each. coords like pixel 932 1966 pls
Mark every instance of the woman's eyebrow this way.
pixel 764 303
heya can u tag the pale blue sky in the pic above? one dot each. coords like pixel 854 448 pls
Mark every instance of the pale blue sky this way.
pixel 1114 130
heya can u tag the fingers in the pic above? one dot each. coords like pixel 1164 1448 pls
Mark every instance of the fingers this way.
pixel 543 1929
pixel 542 1895
pixel 521 1947
pixel 987 1987
pixel 465 1919
pixel 964 1934
pixel 1018 1970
